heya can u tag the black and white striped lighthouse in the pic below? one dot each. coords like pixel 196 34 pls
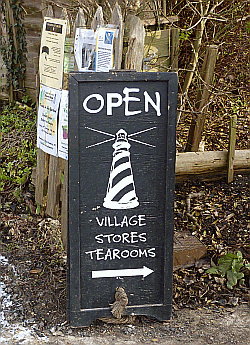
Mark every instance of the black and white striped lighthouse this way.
pixel 121 188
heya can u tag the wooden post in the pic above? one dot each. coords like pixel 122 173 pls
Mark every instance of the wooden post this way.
pixel 56 168
pixel 135 35
pixel 197 124
pixel 174 48
pixel 98 19
pixel 116 19
pixel 42 170
pixel 231 149
pixel 80 21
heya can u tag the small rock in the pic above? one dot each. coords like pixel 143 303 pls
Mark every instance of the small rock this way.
pixel 222 302
pixel 52 330
pixel 233 301
pixel 41 324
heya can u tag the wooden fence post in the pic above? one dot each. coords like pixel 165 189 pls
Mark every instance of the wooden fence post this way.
pixel 134 35
pixel 231 148
pixel 174 48
pixel 80 21
pixel 116 19
pixel 197 124
pixel 42 169
pixel 56 164
pixel 98 19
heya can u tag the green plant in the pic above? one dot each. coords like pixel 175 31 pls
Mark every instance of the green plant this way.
pixel 230 266
pixel 17 147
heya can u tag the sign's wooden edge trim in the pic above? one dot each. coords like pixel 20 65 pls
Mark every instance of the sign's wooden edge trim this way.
pixel 170 184
pixel 121 75
pixel 73 291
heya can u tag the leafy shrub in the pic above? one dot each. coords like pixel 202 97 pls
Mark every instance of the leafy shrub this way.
pixel 17 146
pixel 230 266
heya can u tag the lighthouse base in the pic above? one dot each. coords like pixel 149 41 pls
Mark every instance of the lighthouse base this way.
pixel 116 205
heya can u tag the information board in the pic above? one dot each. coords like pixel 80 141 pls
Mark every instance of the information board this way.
pixel 121 193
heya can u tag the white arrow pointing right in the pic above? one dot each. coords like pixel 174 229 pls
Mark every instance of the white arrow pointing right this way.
pixel 127 272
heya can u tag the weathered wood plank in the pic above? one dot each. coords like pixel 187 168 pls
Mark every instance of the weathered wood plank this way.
pixel 98 19
pixel 80 21
pixel 168 20
pixel 174 48
pixel 116 19
pixel 42 171
pixel 56 167
pixel 134 35
pixel 157 51
pixel 197 124
pixel 64 211
pixel 231 149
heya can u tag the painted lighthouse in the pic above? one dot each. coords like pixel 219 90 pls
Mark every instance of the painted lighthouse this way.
pixel 121 192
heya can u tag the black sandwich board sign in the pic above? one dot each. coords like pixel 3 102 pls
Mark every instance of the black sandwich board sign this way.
pixel 121 193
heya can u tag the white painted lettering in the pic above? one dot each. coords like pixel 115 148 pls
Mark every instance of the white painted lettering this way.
pixel 108 255
pixel 100 223
pixel 91 254
pixel 125 237
pixel 143 237
pixel 151 252
pixel 143 253
pixel 134 237
pixel 141 218
pixel 111 104
pixel 99 252
pixel 128 99
pixel 116 253
pixel 134 253
pixel 125 254
pixel 133 222
pixel 117 238
pixel 109 237
pixel 156 105
pixel 99 239
pixel 98 98
pixel 110 223
pixel 116 223
pixel 124 222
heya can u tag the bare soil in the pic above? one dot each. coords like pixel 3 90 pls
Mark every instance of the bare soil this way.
pixel 205 311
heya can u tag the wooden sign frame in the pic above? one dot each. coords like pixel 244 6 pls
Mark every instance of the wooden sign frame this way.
pixel 121 235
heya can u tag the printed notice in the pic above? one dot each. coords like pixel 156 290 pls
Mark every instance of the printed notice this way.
pixel 47 119
pixel 63 126
pixel 52 52
pixel 84 49
pixel 104 54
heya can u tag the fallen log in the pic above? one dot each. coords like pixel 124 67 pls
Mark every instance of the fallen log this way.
pixel 209 165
